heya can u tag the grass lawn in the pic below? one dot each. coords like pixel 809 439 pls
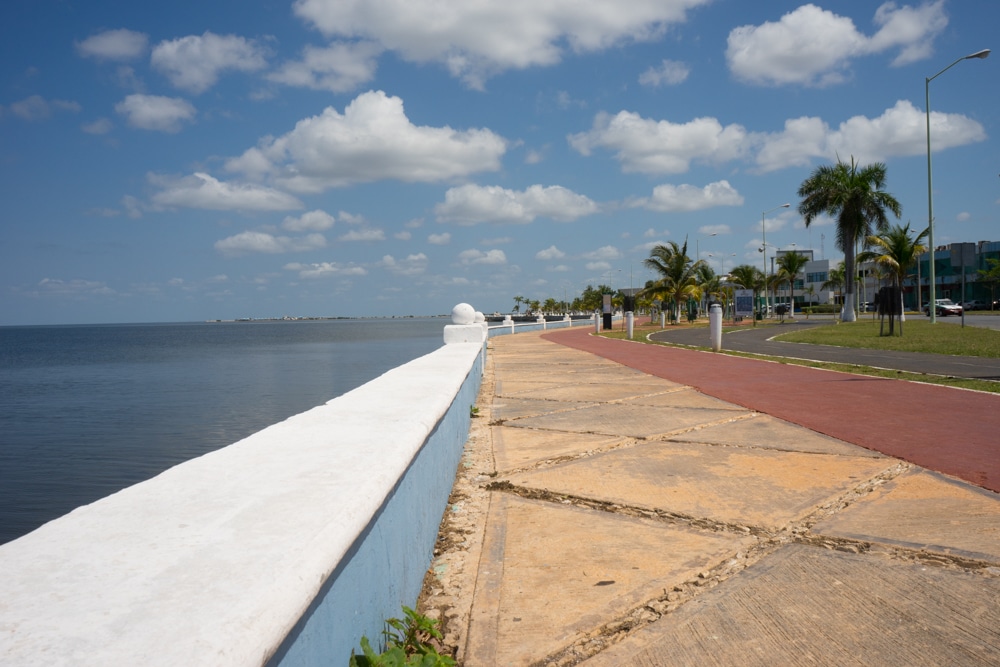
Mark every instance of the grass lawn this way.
pixel 919 335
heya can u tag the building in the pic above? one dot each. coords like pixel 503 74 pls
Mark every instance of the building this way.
pixel 809 286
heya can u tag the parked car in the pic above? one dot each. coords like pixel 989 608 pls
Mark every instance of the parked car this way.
pixel 944 307
pixel 975 304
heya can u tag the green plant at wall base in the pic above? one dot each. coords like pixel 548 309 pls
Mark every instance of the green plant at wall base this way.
pixel 408 644
pixel 473 411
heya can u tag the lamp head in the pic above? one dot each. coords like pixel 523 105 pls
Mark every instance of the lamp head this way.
pixel 985 53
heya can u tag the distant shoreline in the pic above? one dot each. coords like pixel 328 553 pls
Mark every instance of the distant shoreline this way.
pixel 289 318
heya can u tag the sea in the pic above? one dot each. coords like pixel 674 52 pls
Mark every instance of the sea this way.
pixel 91 409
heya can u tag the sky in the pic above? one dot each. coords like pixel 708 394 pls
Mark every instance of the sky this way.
pixel 191 161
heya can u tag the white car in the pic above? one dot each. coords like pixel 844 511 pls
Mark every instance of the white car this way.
pixel 944 307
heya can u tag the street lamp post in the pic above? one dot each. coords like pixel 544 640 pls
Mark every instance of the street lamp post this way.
pixel 697 245
pixel 932 311
pixel 722 259
pixel 763 244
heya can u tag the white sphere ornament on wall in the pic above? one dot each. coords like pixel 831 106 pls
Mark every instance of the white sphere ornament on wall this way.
pixel 463 313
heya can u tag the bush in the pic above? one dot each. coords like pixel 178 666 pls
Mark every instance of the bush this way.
pixel 822 308
pixel 407 644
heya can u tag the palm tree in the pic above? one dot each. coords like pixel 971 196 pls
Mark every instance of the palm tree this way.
pixel 678 274
pixel 712 287
pixel 748 277
pixel 811 291
pixel 518 300
pixel 710 282
pixel 855 196
pixel 990 276
pixel 895 251
pixel 790 265
pixel 835 279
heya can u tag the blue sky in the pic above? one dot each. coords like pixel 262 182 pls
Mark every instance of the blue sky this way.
pixel 201 160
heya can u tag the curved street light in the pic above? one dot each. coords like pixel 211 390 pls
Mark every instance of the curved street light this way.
pixel 932 311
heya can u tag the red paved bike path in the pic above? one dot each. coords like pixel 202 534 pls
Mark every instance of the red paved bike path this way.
pixel 952 431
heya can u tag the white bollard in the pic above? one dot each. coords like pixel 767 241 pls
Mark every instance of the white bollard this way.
pixel 663 319
pixel 597 323
pixel 464 328
pixel 715 326
pixel 629 323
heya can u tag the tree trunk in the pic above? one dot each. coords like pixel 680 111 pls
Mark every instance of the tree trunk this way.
pixel 847 313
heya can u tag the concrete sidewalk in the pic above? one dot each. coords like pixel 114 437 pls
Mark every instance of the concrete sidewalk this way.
pixel 606 516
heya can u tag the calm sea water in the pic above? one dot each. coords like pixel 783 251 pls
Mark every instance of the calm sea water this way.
pixel 88 410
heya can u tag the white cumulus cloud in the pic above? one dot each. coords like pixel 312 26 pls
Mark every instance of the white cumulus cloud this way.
pixel 155 112
pixel 37 107
pixel 669 73
pixel 471 204
pixel 202 191
pixel 261 242
pixel 368 234
pixel 326 270
pixel 114 45
pixel 900 131
pixel 550 253
pixel 813 46
pixel 669 198
pixel 655 147
pixel 603 254
pixel 475 256
pixel 372 140
pixel 339 67
pixel 475 40
pixel 412 265
pixel 316 221
pixel 193 63
pixel 439 239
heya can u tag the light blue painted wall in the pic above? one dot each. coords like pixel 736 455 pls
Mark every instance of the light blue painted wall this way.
pixel 386 565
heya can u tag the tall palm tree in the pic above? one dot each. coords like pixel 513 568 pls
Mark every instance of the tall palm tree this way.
pixel 518 300
pixel 748 277
pixel 895 251
pixel 854 195
pixel 678 274
pixel 790 265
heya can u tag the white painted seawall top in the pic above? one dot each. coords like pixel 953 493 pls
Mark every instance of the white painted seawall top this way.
pixel 215 560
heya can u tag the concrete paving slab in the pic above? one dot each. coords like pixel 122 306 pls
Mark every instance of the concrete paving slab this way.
pixel 925 511
pixel 767 432
pixel 521 448
pixel 551 573
pixel 683 397
pixel 584 390
pixel 809 606
pixel 513 386
pixel 744 487
pixel 924 593
pixel 631 420
pixel 516 408
pixel 568 366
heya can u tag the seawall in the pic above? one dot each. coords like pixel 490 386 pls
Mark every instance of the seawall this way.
pixel 282 549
